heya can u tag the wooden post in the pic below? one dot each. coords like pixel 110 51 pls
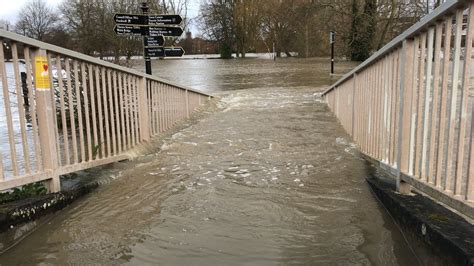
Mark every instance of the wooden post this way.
pixel 46 115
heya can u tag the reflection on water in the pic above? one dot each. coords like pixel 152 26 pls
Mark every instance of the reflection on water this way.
pixel 269 177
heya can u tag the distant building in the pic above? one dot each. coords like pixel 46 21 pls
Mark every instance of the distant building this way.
pixel 198 45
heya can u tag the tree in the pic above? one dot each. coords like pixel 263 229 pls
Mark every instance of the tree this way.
pixel 36 20
pixel 217 24
pixel 358 46
pixel 247 22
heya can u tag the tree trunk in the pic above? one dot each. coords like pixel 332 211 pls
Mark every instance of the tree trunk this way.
pixel 389 21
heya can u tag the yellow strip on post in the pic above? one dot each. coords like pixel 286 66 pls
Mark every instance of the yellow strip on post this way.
pixel 42 73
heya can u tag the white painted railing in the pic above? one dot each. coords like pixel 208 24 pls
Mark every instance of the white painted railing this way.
pixel 410 105
pixel 72 112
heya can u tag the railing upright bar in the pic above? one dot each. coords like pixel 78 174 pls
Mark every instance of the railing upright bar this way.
pixel 156 100
pixel 113 135
pixel 163 117
pixel 107 146
pixel 62 109
pixel 143 110
pixel 444 126
pixel 8 113
pixel 86 110
pixel 92 93
pixel 354 84
pixel 453 107
pixel 136 87
pixel 21 108
pixel 406 86
pixel 385 118
pixel 419 94
pixel 79 110
pixel 117 113
pixel 72 119
pixel 123 124
pixel 54 105
pixel 426 112
pixel 100 121
pixel 46 129
pixel 127 111
pixel 465 115
pixel 432 173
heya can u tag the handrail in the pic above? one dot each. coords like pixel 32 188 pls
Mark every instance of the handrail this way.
pixel 410 107
pixel 425 22
pixel 97 113
pixel 73 54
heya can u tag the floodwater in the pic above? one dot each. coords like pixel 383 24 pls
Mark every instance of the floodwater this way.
pixel 265 177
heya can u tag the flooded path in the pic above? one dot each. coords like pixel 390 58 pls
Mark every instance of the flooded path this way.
pixel 266 177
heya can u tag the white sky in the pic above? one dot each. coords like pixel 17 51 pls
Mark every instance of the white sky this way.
pixel 9 9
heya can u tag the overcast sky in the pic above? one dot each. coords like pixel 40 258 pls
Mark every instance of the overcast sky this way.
pixel 9 9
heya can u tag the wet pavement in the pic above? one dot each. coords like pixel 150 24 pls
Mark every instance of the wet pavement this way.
pixel 265 177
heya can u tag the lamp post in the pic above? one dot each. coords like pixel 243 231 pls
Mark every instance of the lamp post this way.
pixel 332 39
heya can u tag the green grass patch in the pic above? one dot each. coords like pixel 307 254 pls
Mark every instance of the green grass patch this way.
pixel 26 191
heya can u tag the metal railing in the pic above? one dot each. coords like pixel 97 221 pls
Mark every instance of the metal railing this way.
pixel 410 106
pixel 65 111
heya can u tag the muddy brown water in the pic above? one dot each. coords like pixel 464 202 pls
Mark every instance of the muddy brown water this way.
pixel 265 177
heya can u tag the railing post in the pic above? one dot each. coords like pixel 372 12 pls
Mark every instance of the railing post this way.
pixel 187 104
pixel 46 116
pixel 404 124
pixel 144 119
pixel 354 77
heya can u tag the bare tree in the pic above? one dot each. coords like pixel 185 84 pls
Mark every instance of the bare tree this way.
pixel 217 23
pixel 36 19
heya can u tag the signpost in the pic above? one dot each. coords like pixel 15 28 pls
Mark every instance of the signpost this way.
pixel 144 8
pixel 153 29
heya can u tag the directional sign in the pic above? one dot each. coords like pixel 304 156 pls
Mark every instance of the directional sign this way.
pixel 165 31
pixel 133 30
pixel 164 19
pixel 155 41
pixel 128 30
pixel 164 52
pixel 131 19
pixel 174 51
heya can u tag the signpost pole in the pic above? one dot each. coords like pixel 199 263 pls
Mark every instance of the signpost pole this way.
pixel 144 8
pixel 332 40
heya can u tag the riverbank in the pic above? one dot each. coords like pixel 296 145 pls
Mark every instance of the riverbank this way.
pixel 437 235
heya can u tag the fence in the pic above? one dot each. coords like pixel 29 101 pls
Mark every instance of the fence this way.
pixel 71 112
pixel 410 106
